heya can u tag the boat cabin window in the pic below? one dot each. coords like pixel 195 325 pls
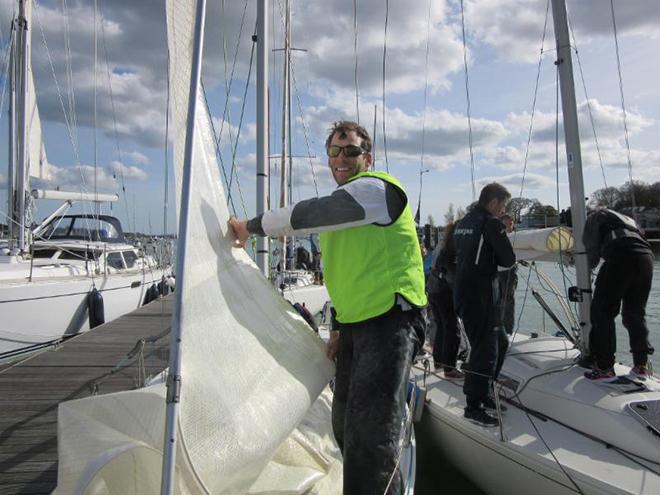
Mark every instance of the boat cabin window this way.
pixel 76 254
pixel 44 253
pixel 91 229
pixel 130 258
pixel 114 260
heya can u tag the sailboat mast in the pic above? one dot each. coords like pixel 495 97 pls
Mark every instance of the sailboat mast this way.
pixel 286 110
pixel 574 161
pixel 11 181
pixel 21 119
pixel 262 129
pixel 176 337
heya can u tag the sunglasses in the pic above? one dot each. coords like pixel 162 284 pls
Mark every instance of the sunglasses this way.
pixel 350 151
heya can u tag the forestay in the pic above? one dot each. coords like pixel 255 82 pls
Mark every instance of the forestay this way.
pixel 251 367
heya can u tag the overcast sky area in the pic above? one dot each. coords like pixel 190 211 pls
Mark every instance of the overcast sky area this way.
pixel 425 103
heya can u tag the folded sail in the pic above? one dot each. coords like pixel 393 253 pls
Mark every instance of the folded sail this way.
pixel 251 367
pixel 550 244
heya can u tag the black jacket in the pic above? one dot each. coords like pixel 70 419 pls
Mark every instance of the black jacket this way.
pixel 481 246
pixel 609 234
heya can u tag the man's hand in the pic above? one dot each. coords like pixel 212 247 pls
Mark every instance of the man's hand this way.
pixel 239 231
pixel 332 347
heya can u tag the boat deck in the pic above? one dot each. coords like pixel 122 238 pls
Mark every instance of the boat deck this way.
pixel 112 357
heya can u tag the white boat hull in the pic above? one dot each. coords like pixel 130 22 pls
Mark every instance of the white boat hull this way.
pixel 44 310
pixel 542 454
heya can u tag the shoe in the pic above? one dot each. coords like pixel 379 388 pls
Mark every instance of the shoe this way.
pixel 480 417
pixel 603 376
pixel 489 404
pixel 640 372
pixel 454 374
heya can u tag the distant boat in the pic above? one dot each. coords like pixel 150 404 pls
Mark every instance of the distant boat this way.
pixel 72 272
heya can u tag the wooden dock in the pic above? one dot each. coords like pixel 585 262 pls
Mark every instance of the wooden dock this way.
pixel 112 357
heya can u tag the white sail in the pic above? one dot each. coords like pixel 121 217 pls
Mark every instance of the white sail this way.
pixel 37 163
pixel 251 367
pixel 550 244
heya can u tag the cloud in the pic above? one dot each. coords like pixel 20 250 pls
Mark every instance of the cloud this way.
pixel 87 177
pixel 533 182
pixel 518 37
pixel 136 157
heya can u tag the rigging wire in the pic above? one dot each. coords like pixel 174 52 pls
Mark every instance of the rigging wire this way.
pixel 300 111
pixel 114 120
pixel 586 96
pixel 467 97
pixel 71 97
pixel 70 125
pixel 5 72
pixel 226 113
pixel 387 15
pixel 97 205
pixel 536 91
pixel 304 127
pixel 230 200
pixel 355 50
pixel 623 108
pixel 240 125
pixel 426 89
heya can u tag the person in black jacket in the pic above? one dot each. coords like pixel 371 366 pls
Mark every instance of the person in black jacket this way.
pixel 440 289
pixel 481 246
pixel 623 283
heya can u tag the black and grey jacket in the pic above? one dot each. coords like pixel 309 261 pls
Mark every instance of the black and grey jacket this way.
pixel 481 247
pixel 363 201
pixel 609 234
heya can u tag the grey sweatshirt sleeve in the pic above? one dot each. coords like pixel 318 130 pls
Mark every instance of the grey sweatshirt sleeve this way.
pixel 364 201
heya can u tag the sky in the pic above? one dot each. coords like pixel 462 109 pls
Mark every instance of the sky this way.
pixel 420 106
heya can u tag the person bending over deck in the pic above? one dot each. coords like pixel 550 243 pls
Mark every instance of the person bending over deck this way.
pixel 481 246
pixel 374 275
pixel 623 283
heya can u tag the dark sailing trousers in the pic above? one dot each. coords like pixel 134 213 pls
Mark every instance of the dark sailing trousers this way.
pixel 623 284
pixel 447 335
pixel 371 382
pixel 508 281
pixel 488 344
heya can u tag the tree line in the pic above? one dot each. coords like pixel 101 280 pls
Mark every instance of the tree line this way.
pixel 615 198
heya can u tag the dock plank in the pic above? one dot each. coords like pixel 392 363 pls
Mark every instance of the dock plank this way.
pixel 101 361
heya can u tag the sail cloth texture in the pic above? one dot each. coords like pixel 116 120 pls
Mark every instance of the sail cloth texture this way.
pixel 550 244
pixel 251 367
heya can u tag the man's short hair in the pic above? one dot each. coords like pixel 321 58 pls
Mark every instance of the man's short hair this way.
pixel 493 191
pixel 342 127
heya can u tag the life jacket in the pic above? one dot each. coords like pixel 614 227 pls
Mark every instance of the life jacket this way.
pixel 366 267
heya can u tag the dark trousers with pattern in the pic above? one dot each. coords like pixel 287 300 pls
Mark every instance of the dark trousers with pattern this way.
pixel 371 382
pixel 623 284
pixel 447 335
pixel 488 343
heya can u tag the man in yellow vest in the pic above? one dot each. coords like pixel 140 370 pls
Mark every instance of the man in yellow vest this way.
pixel 374 275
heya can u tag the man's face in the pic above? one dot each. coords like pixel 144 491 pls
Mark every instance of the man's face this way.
pixel 343 167
pixel 496 207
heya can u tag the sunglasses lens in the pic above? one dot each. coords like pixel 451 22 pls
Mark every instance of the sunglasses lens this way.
pixel 352 151
pixel 333 151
